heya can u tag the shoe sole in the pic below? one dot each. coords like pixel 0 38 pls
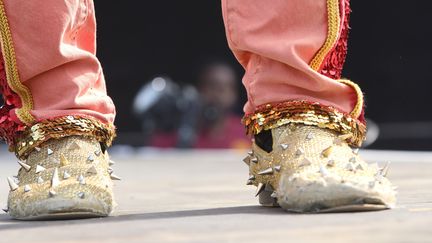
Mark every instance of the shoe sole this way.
pixel 355 208
pixel 267 201
pixel 58 209
pixel 63 216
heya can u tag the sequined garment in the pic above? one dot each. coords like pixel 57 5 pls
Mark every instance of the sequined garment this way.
pixel 61 127
pixel 335 59
pixel 271 116
pixel 9 129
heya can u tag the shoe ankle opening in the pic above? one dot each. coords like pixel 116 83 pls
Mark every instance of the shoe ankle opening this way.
pixel 264 140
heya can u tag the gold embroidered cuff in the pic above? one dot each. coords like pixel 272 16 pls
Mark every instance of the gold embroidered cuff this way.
pixel 303 112
pixel 61 127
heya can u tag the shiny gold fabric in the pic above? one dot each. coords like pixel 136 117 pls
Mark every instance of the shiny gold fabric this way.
pixel 307 113
pixel 61 127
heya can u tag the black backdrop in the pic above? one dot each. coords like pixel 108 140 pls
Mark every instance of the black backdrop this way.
pixel 389 57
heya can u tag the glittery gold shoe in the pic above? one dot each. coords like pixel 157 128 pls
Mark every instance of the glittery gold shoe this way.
pixel 63 178
pixel 310 169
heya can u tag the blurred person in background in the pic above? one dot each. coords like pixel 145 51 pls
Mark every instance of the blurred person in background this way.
pixel 189 117
pixel 219 125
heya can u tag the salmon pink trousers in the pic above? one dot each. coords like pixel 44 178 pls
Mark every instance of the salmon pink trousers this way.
pixel 292 52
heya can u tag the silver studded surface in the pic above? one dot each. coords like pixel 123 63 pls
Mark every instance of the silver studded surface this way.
pixel 314 157
pixel 53 166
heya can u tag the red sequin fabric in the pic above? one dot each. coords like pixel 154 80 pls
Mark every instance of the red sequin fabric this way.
pixel 8 128
pixel 334 61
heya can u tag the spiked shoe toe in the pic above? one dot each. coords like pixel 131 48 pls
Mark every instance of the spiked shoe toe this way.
pixel 69 177
pixel 311 169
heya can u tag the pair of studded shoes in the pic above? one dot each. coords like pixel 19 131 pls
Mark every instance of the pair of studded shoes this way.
pixel 305 166
pixel 310 169
pixel 69 177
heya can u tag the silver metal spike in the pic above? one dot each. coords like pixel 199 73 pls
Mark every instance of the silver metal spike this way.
pixel 260 189
pixel 249 182
pixel 27 188
pixel 385 169
pixel 12 185
pixel 350 167
pixel 254 160
pixel 353 160
pixel 81 180
pixel 305 162
pixel 98 152
pixel 250 153
pixel 331 163
pixel 110 163
pixel 299 152
pixel 66 175
pixel 252 177
pixel 284 146
pixel 268 171
pixel 52 193
pixel 49 151
pixel 278 168
pixel 74 146
pixel 356 151
pixel 37 149
pixel 274 195
pixel 309 136
pixel 39 169
pixel 91 158
pixel 247 160
pixel 114 177
pixel 24 165
pixel 40 180
pixel 92 170
pixel 110 170
pixel 81 195
pixel 323 170
pixel 55 179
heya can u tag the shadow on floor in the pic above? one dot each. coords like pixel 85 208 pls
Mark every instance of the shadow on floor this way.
pixel 7 223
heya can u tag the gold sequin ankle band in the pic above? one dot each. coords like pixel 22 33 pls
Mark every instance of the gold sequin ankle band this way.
pixel 270 116
pixel 61 127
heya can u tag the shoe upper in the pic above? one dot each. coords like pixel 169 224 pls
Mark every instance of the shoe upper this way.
pixel 310 167
pixel 68 175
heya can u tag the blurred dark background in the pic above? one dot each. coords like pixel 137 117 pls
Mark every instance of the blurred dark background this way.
pixel 388 56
